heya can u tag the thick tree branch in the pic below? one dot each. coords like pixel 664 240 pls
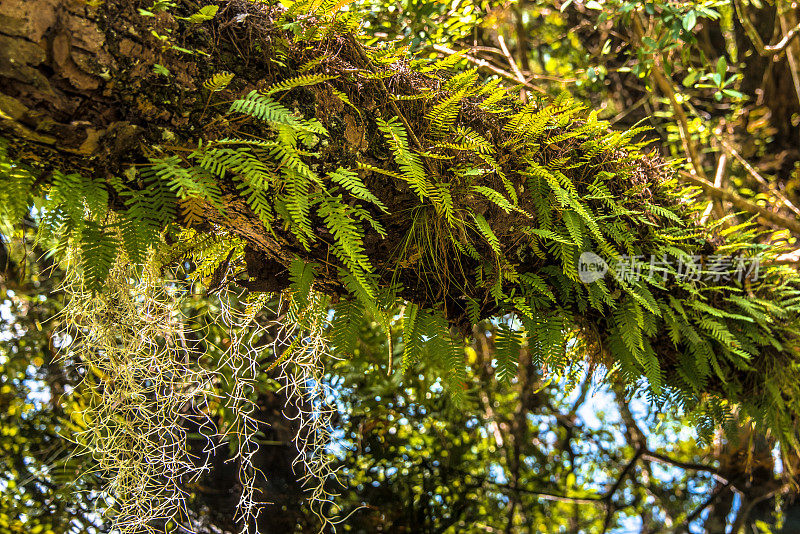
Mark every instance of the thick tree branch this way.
pixel 101 106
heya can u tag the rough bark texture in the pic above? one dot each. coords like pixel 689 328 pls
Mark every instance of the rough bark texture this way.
pixel 81 93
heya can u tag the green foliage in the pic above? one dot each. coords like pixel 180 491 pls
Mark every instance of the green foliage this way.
pixel 298 81
pixel 219 81
pixel 497 220
pixel 412 336
pixel 570 164
pixel 345 326
pixel 508 343
pixel 409 162
pixel 347 245
pixel 353 184
pixel 15 191
pixel 98 252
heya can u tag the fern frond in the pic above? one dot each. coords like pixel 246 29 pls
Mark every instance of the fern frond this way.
pixel 629 320
pixel 15 191
pixel 446 63
pixel 462 81
pixel 353 184
pixel 508 344
pixel 218 81
pixel 348 245
pixel 298 205
pixel 191 211
pixel 498 199
pixel 348 316
pixel 98 253
pixel 487 232
pixel 302 275
pixel 409 162
pixel 443 115
pixel 264 108
pixel 412 339
pixel 304 80
pixel 187 182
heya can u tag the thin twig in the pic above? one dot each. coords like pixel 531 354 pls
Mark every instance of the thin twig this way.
pixel 705 504
pixel 754 173
pixel 485 64
pixel 627 111
pixel 514 68
pixel 550 496
pixel 651 456
pixel 752 33
pixel 723 160
pixel 793 67
pixel 609 496
pixel 746 508
pixel 741 203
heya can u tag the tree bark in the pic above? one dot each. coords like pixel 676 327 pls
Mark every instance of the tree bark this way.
pixel 84 90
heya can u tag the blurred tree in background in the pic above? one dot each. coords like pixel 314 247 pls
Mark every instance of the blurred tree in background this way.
pixel 718 82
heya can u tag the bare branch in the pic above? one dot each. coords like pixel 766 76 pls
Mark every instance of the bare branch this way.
pixel 705 504
pixel 515 69
pixel 723 161
pixel 752 33
pixel 741 203
pixel 690 466
pixel 754 173
pixel 610 494
pixel 482 63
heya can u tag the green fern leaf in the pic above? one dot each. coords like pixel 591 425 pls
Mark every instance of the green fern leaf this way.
pixel 409 162
pixel 348 317
pixel 487 233
pixel 98 254
pixel 352 182
pixel 297 81
pixel 348 245
pixel 508 344
pixel 218 81
pixel 412 339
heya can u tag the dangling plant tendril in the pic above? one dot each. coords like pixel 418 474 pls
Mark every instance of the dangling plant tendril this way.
pixel 302 372
pixel 300 347
pixel 144 388
pixel 147 387
pixel 242 358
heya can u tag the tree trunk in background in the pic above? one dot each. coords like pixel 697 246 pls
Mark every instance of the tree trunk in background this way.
pixel 277 484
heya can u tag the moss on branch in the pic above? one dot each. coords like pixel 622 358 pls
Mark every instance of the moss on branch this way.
pixel 399 179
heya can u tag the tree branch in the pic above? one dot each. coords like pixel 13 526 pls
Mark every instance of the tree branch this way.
pixel 705 504
pixel 665 84
pixel 691 466
pixel 741 203
pixel 754 173
pixel 609 496
pixel 755 38
pixel 482 63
